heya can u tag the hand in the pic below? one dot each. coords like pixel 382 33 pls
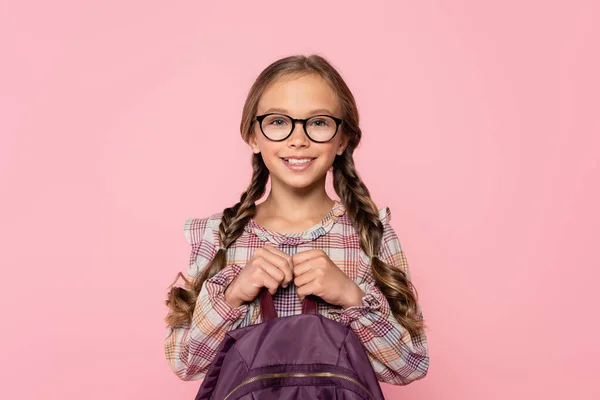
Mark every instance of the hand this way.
pixel 268 267
pixel 316 274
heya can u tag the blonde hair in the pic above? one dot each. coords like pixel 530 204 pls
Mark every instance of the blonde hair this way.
pixel 362 211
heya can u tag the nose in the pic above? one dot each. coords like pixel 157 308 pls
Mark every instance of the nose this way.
pixel 298 138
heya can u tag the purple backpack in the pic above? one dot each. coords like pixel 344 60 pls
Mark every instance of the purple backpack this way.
pixel 306 356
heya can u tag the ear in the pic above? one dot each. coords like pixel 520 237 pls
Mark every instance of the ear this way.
pixel 343 145
pixel 254 144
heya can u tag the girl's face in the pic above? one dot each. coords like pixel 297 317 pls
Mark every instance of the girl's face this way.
pixel 299 97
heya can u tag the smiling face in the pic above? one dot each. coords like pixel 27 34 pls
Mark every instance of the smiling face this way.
pixel 299 96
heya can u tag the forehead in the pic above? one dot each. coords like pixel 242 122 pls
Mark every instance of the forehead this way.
pixel 299 95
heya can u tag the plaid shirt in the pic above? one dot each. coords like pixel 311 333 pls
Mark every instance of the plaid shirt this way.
pixel 191 348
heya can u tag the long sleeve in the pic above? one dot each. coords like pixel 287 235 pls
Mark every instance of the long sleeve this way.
pixel 397 357
pixel 191 348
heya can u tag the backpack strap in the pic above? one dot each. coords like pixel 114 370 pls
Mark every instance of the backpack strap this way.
pixel 267 306
pixel 309 305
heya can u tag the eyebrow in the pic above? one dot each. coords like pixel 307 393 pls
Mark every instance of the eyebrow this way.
pixel 284 111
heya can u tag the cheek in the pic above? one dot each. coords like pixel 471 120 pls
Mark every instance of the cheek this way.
pixel 270 151
pixel 329 153
pixel 268 147
pixel 262 143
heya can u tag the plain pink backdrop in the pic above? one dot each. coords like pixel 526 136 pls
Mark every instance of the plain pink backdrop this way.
pixel 119 119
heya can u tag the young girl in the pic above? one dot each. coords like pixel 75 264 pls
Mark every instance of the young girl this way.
pixel 301 121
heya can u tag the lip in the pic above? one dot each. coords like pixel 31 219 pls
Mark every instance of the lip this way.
pixel 299 167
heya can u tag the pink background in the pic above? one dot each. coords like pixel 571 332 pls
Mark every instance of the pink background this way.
pixel 120 119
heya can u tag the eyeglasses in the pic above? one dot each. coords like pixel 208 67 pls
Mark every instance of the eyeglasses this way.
pixel 278 127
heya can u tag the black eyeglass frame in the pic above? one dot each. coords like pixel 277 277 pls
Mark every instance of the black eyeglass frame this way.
pixel 338 122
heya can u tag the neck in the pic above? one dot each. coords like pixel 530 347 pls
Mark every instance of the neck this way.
pixel 298 204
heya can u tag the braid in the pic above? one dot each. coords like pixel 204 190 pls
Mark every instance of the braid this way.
pixel 236 217
pixel 393 282
pixel 182 301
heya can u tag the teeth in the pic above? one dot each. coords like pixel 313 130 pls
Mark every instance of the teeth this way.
pixel 296 161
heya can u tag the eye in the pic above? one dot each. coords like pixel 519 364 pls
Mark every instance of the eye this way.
pixel 320 122
pixel 277 122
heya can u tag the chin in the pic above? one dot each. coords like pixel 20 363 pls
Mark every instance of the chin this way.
pixel 298 182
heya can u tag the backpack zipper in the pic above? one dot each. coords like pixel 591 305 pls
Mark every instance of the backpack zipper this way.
pixel 300 375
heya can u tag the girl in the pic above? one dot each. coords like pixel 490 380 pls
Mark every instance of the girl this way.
pixel 301 121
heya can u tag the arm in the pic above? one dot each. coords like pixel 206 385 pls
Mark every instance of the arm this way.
pixel 190 349
pixel 397 360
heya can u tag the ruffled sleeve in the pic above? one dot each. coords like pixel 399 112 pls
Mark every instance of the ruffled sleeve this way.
pixel 397 357
pixel 200 235
pixel 191 348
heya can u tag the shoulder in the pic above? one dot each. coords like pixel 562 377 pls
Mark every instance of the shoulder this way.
pixel 390 242
pixel 347 227
pixel 391 251
pixel 203 235
pixel 385 215
pixel 197 230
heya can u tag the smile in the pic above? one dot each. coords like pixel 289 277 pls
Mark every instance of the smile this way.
pixel 298 160
pixel 298 164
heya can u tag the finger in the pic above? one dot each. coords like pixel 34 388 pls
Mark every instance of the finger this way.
pixel 280 253
pixel 303 268
pixel 306 290
pixel 306 255
pixel 281 260
pixel 304 279
pixel 272 270
pixel 270 283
